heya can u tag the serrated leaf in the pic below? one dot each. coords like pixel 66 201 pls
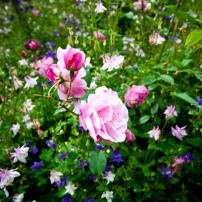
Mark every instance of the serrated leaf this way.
pixel 144 119
pixel 97 162
pixel 193 38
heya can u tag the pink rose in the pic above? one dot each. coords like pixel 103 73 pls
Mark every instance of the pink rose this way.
pixel 33 45
pixel 71 57
pixel 104 116
pixel 78 87
pixel 136 95
pixel 99 35
pixel 43 65
pixel 35 12
pixel 130 137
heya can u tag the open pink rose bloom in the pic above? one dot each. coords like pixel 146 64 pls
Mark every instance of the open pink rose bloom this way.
pixel 104 116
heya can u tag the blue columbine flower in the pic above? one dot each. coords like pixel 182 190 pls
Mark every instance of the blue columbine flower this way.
pixel 135 67
pixel 80 128
pixel 199 100
pixel 92 177
pixel 67 199
pixel 51 143
pixel 32 7
pixel 37 165
pixel 107 169
pixel 116 157
pixel 168 17
pixel 50 44
pixel 89 200
pixel 166 173
pixel 99 147
pixel 63 155
pixel 61 182
pixel 39 85
pixel 27 144
pixel 26 8
pixel 56 32
pixel 188 157
pixel 12 18
pixel 34 151
pixel 49 82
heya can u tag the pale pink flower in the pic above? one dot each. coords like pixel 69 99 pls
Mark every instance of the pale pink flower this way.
pixel 99 35
pixel 174 167
pixel 108 195
pixel 138 5
pixel 109 177
pixel 26 118
pixel 112 63
pixel 29 125
pixel 70 188
pixel 62 25
pixel 7 176
pixel 28 105
pixel 136 95
pixel 79 86
pixel 15 128
pixel 179 132
pixel 30 82
pixel 100 8
pixel 170 112
pixel 6 192
pixel 76 106
pixel 35 12
pixel 104 116
pixel 93 85
pixel 87 63
pixel 55 176
pixel 70 58
pixel 18 198
pixel 23 62
pixel 33 45
pixel 17 83
pixel 156 39
pixel 154 133
pixel 130 137
pixel 43 65
pixel 20 154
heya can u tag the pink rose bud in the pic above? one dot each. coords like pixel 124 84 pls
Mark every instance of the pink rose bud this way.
pixel 99 35
pixel 24 54
pixel 36 123
pixel 40 133
pixel 33 45
pixel 136 95
pixel 35 12
pixel 71 58
pixel 130 137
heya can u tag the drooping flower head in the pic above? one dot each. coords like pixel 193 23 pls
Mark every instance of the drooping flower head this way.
pixel 136 95
pixel 139 4
pixel 20 154
pixel 179 132
pixel 156 39
pixel 37 165
pixel 15 128
pixel 104 116
pixel 130 137
pixel 155 133
pixel 30 82
pixel 108 195
pixel 99 35
pixel 170 112
pixel 70 188
pixel 55 176
pixel 100 8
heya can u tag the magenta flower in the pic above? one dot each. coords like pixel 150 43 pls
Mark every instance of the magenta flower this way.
pixel 104 116
pixel 33 45
pixel 35 12
pixel 20 154
pixel 155 133
pixel 43 65
pixel 130 137
pixel 136 95
pixel 71 58
pixel 99 35
pixel 7 176
pixel 79 86
pixel 170 112
pixel 179 132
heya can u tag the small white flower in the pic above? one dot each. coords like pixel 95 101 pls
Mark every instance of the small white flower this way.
pixel 23 62
pixel 29 125
pixel 148 6
pixel 76 106
pixel 178 41
pixel 6 192
pixel 18 198
pixel 109 177
pixel 30 82
pixel 55 176
pixel 93 85
pixel 100 8
pixel 108 195
pixel 70 188
pixel 154 133
pixel 17 83
pixel 28 104
pixel 26 118
pixel 20 154
pixel 88 64
pixel 170 112
pixel 15 128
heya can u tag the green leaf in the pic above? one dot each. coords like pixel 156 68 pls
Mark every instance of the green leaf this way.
pixel 154 108
pixel 152 87
pixel 146 171
pixel 144 119
pixel 166 78
pixel 185 62
pixel 97 162
pixel 187 98
pixel 174 68
pixel 129 15
pixel 88 77
pixel 148 80
pixel 59 110
pixel 193 38
pixel 158 66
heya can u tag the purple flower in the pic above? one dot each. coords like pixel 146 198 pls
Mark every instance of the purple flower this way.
pixel 116 157
pixel 92 177
pixel 69 21
pixel 62 156
pixel 39 85
pixel 18 1
pixel 65 18
pixel 80 128
pixel 179 132
pixel 37 165
pixel 12 18
pixel 168 17
pixel 188 157
pixel 27 144
pixel 61 182
pixel 135 67
pixel 107 169
pixel 26 8
pixel 32 7
pixel 50 44
pixel 49 82
pixel 89 200
pixel 99 147
pixel 34 151
pixel 166 173
pixel 51 143
pixel 67 199
pixel 199 100
pixel 56 32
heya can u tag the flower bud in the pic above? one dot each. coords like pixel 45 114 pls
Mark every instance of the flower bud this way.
pixel 124 64
pixel 24 54
pixel 33 45
pixel 14 72
pixel 36 123
pixel 40 133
